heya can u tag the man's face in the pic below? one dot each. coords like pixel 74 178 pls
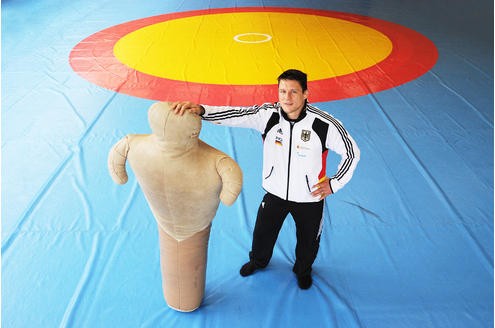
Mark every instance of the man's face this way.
pixel 291 97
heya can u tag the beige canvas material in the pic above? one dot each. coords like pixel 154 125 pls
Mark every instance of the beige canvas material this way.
pixel 183 266
pixel 183 180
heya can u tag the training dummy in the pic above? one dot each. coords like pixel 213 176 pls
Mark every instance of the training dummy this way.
pixel 183 180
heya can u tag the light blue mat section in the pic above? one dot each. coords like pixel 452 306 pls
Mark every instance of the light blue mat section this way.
pixel 408 243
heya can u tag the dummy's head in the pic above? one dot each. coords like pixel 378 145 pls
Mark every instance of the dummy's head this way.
pixel 174 130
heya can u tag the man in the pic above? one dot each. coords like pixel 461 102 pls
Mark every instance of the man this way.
pixel 296 139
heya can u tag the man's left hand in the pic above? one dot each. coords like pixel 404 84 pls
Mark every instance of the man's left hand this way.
pixel 322 189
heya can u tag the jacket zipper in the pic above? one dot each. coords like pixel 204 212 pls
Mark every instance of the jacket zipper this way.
pixel 269 174
pixel 288 166
pixel 307 183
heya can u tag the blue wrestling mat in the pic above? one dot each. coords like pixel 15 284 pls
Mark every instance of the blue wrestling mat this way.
pixel 407 243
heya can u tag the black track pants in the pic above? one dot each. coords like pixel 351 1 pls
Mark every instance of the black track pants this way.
pixel 271 215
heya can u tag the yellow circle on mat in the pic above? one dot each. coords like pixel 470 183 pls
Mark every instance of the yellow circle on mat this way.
pixel 251 47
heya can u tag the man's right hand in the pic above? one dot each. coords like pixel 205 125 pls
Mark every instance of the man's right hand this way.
pixel 180 107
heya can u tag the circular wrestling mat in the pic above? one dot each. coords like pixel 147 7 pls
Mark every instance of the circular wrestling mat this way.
pixel 234 55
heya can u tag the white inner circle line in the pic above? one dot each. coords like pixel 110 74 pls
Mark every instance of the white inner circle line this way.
pixel 267 37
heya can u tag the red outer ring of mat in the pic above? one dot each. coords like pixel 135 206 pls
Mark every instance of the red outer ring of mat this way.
pixel 412 55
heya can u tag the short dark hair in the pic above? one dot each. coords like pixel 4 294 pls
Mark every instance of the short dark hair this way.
pixel 295 75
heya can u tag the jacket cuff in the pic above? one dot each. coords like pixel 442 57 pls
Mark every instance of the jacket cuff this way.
pixel 335 185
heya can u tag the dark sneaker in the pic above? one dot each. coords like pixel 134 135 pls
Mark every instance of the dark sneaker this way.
pixel 305 281
pixel 248 269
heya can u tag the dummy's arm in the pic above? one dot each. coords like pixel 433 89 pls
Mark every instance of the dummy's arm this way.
pixel 116 161
pixel 231 176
